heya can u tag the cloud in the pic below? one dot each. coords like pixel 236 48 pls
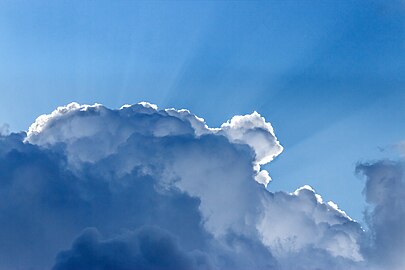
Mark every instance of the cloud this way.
pixel 112 127
pixel 4 129
pixel 305 221
pixel 385 192
pixel 162 190
pixel 147 248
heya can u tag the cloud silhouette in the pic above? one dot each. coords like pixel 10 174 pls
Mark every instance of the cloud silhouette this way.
pixel 89 187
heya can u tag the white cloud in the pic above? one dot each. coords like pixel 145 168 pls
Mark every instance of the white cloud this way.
pixel 294 222
pixel 251 129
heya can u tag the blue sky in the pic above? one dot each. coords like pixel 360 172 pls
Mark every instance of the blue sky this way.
pixel 329 75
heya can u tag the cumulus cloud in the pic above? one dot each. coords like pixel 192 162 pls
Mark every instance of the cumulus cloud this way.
pixel 159 189
pixel 113 127
pixel 309 223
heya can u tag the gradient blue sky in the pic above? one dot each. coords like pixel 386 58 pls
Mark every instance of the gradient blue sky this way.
pixel 329 75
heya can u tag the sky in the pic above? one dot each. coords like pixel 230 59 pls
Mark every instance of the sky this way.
pixel 328 75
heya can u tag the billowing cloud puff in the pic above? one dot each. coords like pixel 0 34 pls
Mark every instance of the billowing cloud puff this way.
pixel 309 223
pixel 148 248
pixel 162 190
pixel 256 132
pixel 113 127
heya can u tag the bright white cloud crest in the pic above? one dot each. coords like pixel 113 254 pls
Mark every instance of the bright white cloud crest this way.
pixel 251 129
pixel 150 179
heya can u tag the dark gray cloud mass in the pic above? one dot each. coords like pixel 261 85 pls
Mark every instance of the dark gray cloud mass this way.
pixel 148 248
pixel 88 187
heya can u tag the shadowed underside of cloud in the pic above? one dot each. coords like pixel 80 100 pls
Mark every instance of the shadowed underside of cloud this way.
pixel 148 248
pixel 142 188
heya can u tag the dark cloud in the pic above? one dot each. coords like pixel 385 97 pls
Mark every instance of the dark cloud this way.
pixel 147 248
